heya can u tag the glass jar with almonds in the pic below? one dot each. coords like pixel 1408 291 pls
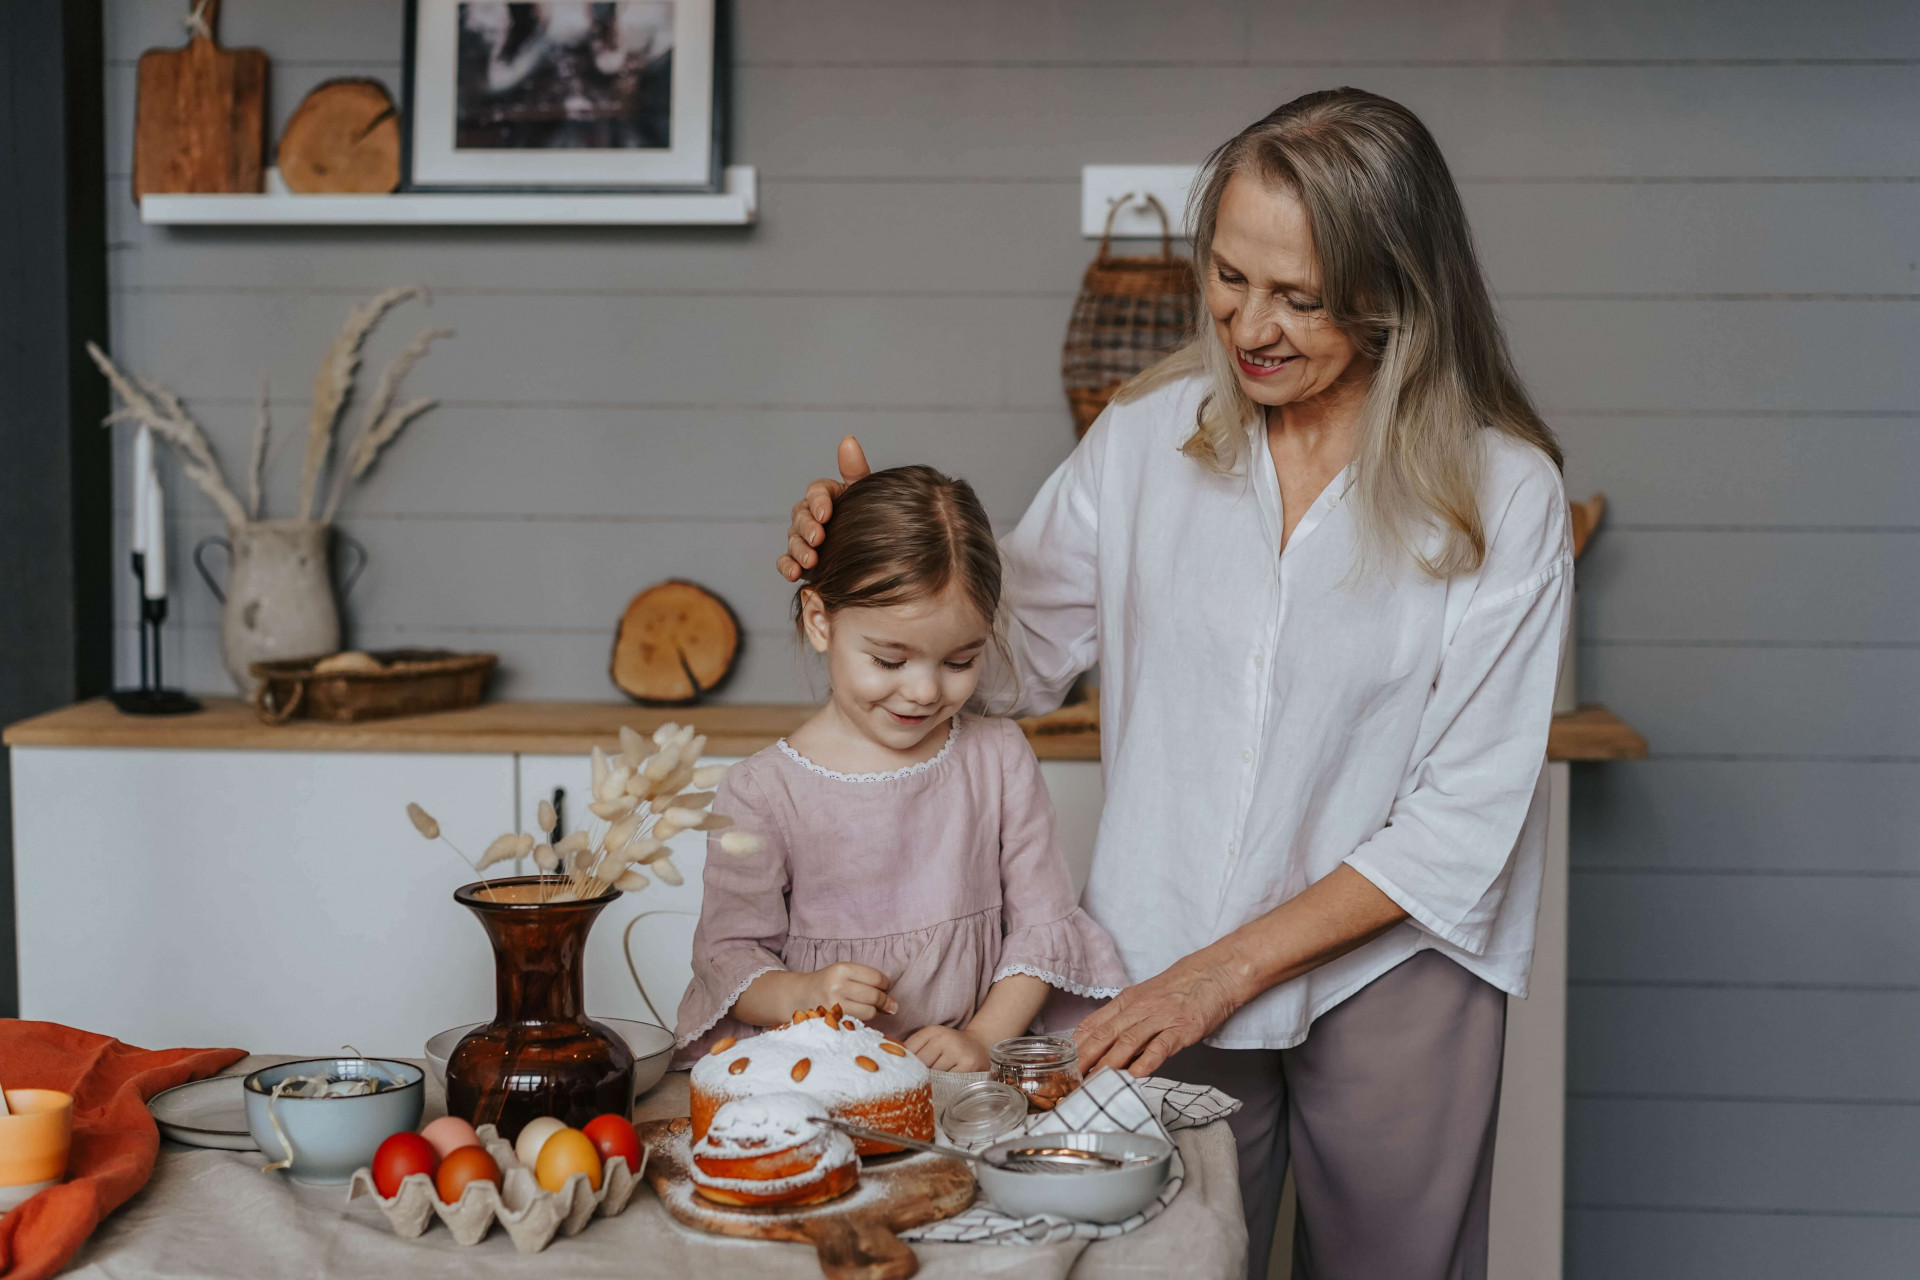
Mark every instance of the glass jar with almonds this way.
pixel 1045 1068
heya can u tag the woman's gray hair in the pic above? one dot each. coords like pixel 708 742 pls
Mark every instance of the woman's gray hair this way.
pixel 1399 275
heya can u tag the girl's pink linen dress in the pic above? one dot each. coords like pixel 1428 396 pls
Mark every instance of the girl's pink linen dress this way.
pixel 945 876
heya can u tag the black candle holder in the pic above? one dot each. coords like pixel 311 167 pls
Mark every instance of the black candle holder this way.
pixel 152 698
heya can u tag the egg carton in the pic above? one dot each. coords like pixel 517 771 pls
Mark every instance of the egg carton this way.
pixel 531 1215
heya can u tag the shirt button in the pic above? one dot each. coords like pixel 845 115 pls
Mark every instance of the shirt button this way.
pixel 1246 757
pixel 1258 658
pixel 1233 846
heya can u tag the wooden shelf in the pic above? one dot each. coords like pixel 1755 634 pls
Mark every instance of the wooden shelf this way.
pixel 573 728
pixel 737 205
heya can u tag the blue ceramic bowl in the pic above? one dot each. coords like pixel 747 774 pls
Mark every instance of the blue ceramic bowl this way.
pixel 331 1137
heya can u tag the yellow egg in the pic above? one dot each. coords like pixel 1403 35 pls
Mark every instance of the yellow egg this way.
pixel 566 1153
pixel 526 1148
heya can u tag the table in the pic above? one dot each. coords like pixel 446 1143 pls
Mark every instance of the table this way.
pixel 214 1215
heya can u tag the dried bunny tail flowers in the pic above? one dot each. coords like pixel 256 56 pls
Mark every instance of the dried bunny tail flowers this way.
pixel 741 843
pixel 708 776
pixel 423 823
pixel 548 818
pixel 668 873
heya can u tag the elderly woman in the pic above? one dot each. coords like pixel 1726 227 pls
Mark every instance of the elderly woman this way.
pixel 1321 556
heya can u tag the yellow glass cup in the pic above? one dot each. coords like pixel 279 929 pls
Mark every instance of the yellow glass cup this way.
pixel 34 1141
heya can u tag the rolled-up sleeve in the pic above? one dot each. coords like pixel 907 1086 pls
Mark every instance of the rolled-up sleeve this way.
pixel 1049 579
pixel 1450 835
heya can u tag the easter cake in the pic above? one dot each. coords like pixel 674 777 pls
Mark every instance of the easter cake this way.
pixel 773 1149
pixel 856 1073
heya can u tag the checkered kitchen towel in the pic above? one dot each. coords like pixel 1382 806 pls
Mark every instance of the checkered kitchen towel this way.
pixel 1111 1102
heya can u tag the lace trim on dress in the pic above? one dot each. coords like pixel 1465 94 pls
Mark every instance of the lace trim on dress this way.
pixel 1055 980
pixel 892 775
pixel 726 1007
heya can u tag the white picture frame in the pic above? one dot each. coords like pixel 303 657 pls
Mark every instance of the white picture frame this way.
pixel 572 127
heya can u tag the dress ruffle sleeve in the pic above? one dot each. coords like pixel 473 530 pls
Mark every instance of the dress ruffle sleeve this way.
pixel 743 920
pixel 1048 936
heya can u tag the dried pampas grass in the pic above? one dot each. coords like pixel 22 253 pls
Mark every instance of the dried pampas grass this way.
pixel 147 402
pixel 161 412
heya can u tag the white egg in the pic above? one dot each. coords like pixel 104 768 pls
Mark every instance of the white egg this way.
pixel 526 1148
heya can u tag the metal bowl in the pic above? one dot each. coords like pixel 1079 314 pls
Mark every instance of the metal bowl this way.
pixel 652 1048
pixel 1095 1195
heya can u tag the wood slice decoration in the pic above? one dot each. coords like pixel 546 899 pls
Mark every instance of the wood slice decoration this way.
pixel 676 642
pixel 200 115
pixel 344 138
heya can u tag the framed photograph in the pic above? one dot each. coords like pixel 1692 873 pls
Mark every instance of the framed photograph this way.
pixel 509 96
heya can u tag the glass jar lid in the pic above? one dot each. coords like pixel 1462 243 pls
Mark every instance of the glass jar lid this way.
pixel 1035 1053
pixel 982 1112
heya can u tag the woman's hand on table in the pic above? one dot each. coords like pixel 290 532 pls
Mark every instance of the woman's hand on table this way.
pixel 1149 1022
pixel 947 1049
pixel 811 513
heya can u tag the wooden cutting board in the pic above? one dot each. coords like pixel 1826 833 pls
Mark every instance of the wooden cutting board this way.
pixel 200 115
pixel 853 1235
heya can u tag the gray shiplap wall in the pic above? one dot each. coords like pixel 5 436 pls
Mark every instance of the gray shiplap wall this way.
pixel 1701 219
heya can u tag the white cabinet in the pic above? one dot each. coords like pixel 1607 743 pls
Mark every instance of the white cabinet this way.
pixel 275 901
pixel 279 901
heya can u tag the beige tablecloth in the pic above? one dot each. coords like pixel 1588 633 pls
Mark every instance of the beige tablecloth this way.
pixel 212 1215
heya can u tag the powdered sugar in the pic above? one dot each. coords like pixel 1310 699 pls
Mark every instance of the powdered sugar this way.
pixel 764 1123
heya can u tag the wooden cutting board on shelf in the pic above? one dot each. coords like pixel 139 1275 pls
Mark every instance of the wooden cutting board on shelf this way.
pixel 200 114
pixel 853 1235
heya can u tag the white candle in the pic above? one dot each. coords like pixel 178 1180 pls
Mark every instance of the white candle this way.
pixel 142 478
pixel 156 579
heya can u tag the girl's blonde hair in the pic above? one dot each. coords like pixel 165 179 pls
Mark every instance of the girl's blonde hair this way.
pixel 1399 275
pixel 902 535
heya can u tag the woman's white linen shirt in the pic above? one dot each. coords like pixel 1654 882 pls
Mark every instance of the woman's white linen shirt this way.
pixel 1267 716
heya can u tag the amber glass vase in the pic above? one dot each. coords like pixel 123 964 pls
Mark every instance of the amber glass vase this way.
pixel 541 1055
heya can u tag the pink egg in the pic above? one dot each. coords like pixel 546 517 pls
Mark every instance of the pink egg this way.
pixel 448 1134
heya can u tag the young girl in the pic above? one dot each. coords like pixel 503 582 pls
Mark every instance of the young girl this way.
pixel 910 871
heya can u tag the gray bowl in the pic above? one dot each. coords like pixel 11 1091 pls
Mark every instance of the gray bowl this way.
pixel 332 1137
pixel 1097 1195
pixel 652 1048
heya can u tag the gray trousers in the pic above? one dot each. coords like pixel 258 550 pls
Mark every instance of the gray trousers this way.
pixel 1387 1111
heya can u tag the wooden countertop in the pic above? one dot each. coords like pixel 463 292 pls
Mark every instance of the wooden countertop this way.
pixel 573 728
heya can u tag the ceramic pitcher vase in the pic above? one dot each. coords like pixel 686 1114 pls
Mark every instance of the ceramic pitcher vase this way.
pixel 279 600
pixel 541 1055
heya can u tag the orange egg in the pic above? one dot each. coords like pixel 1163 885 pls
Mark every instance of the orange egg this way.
pixel 566 1153
pixel 462 1166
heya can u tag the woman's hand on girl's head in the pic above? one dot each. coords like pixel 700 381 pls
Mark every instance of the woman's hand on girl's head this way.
pixel 1146 1024
pixel 947 1049
pixel 811 513
pixel 860 991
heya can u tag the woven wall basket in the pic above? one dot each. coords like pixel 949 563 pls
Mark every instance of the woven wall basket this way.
pixel 1130 313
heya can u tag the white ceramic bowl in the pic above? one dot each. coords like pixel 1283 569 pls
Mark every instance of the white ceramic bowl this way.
pixel 1097 1195
pixel 332 1137
pixel 652 1048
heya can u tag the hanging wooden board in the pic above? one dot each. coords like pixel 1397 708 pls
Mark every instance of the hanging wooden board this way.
pixel 676 642
pixel 200 115
pixel 853 1236
pixel 344 138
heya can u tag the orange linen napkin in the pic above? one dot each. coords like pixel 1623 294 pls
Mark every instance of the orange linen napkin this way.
pixel 114 1137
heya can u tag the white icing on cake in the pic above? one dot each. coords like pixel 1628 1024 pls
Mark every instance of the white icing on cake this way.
pixel 833 1074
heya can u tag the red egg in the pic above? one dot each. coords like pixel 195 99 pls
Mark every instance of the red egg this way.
pixel 401 1155
pixel 613 1136
pixel 464 1165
